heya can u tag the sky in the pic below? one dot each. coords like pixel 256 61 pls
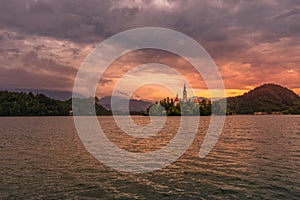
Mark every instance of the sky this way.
pixel 44 42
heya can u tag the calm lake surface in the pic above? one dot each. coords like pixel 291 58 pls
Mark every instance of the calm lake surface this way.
pixel 256 157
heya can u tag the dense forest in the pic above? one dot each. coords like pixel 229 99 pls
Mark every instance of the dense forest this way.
pixel 170 108
pixel 88 107
pixel 29 104
pixel 268 98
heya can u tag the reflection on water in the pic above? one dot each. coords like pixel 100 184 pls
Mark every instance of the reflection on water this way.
pixel 256 157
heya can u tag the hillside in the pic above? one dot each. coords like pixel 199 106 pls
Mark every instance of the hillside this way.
pixel 266 98
pixel 134 105
pixel 53 94
pixel 30 104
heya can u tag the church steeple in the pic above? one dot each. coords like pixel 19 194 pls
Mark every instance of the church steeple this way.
pixel 184 99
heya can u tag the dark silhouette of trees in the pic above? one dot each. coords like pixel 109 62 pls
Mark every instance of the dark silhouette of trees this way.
pixel 267 98
pixel 20 104
pixel 29 104
pixel 167 107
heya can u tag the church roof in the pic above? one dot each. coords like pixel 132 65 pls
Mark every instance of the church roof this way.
pixel 176 99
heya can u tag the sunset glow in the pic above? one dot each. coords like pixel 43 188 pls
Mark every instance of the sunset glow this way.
pixel 250 46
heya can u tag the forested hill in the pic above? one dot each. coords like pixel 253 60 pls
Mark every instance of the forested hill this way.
pixel 266 98
pixel 29 104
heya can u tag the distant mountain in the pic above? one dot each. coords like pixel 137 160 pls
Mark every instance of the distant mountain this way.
pixel 134 104
pixel 266 98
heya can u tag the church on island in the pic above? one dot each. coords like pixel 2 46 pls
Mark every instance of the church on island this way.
pixel 186 106
pixel 184 96
pixel 194 99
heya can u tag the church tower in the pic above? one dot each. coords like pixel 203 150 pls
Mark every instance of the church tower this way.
pixel 184 99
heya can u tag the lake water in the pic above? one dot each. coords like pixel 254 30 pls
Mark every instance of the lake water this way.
pixel 256 157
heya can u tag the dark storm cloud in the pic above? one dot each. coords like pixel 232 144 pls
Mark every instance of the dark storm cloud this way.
pixel 32 79
pixel 36 72
pixel 206 20
pixel 31 61
pixel 232 31
pixel 61 19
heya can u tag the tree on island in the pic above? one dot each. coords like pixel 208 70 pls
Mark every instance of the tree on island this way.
pixel 168 107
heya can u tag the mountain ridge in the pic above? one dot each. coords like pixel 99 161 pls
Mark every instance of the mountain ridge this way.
pixel 62 95
pixel 268 98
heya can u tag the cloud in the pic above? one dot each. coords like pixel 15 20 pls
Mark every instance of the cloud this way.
pixel 206 20
pixel 252 42
pixel 32 71
pixel 27 79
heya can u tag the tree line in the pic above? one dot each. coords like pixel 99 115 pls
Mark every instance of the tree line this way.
pixel 29 104
pixel 168 107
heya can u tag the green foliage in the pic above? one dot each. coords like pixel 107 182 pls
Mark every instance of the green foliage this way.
pixel 219 108
pixel 156 110
pixel 267 98
pixel 23 104
pixel 205 107
pixel 167 107
pixel 29 104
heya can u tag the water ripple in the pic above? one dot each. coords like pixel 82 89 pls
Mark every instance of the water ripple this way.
pixel 256 157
